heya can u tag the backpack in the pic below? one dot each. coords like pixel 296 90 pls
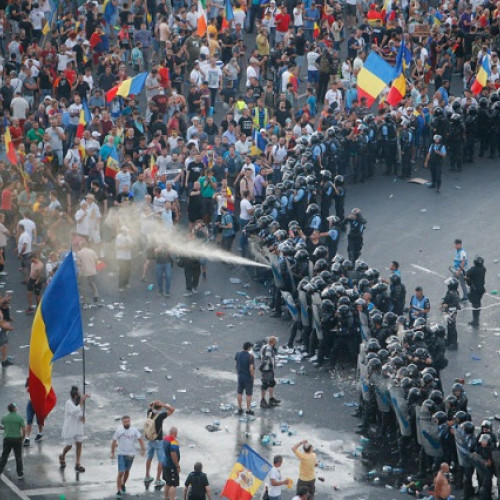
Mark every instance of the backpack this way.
pixel 149 429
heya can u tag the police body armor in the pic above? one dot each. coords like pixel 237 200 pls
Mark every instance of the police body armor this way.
pixel 380 386
pixel 279 281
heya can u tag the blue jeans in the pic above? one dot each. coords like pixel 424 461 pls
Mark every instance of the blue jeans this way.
pixel 164 271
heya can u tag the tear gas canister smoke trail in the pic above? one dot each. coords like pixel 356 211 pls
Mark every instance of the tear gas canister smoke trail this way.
pixel 144 226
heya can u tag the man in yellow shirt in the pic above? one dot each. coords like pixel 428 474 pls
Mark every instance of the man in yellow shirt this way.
pixel 307 474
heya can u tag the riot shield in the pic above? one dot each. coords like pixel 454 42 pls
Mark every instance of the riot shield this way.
pixel 304 309
pixel 428 433
pixel 292 307
pixel 401 410
pixel 279 281
pixel 380 386
pixel 316 305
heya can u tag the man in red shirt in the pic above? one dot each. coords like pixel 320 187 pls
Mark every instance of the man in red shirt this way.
pixel 282 22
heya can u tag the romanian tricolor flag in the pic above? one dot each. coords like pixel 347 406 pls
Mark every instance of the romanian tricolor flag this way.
pixel 202 18
pixel 247 475
pixel 260 143
pixel 10 150
pixel 228 11
pixel 316 30
pixel 130 86
pixel 55 333
pixel 398 87
pixel 112 165
pixel 482 76
pixel 374 76
pixel 108 10
pixel 85 117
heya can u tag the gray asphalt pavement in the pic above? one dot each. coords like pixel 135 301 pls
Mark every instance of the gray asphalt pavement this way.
pixel 135 330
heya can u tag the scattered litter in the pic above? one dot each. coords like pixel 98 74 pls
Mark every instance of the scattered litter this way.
pixel 212 428
pixel 205 410
pixel 287 381
pixel 152 390
pixel 119 315
pixel 169 377
pixel 242 294
pixel 266 440
pixel 182 390
pixel 391 196
pixel 301 413
pixel 138 397
pixel 179 311
pixel 226 302
pixel 495 394
pixel 148 370
pixel 494 292
pixel 151 287
pixel 318 394
pixel 423 211
pixel 351 404
pixel 23 346
pixel 340 394
pixel 230 325
pixel 476 381
pixel 436 228
pixel 110 306
pixel 225 407
pixel 220 314
pixel 284 427
pixel 458 187
pixel 387 469
pixel 208 292
pixel 235 281
pixel 186 342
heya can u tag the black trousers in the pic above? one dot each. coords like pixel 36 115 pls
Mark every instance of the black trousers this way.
pixel 10 444
pixel 192 271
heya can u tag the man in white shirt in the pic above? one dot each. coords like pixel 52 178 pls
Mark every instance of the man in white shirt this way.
pixel 252 71
pixel 29 226
pixel 334 95
pixel 82 220
pixel 246 212
pixel 197 76
pixel 171 195
pixel 74 117
pixel 24 249
pixel 124 438
pixel 276 483
pixel 19 107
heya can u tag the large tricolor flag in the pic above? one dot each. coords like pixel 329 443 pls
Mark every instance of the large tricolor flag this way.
pixel 130 86
pixel 202 18
pixel 247 475
pixel 10 150
pixel 55 333
pixel 398 87
pixel 374 76
pixel 482 75
pixel 228 14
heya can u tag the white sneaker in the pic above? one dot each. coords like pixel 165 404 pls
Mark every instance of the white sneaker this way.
pixel 160 482
pixel 313 359
pixel 188 294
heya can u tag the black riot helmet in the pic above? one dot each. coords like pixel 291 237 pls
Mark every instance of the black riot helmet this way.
pixel 374 366
pixel 338 180
pixel 457 388
pixel 436 396
pixel 301 255
pixel 326 175
pixel 478 261
pixel 438 111
pixel 451 283
pixel 483 103
pixel 320 252
pixel 414 396
pixel 429 405
pixel 486 424
pixel 373 345
pixel 390 318
pixel 451 401
pixel 468 428
pixel 460 417
pixel 320 265
pixel 327 307
pixel 440 417
pixel 406 383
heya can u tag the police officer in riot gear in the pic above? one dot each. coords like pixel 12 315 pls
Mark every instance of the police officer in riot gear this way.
pixel 389 144
pixel 450 306
pixel 355 237
pixel 475 277
pixel 456 141
pixel 434 160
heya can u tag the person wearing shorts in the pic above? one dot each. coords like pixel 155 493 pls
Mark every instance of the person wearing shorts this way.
pixel 171 466
pixel 156 412
pixel 245 366
pixel 124 438
pixel 30 416
pixel 267 356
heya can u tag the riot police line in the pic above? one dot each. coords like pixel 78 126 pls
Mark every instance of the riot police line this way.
pixel 340 307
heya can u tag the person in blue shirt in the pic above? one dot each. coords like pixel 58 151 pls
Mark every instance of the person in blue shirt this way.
pixel 311 17
pixel 312 102
pixel 434 160
pixel 419 305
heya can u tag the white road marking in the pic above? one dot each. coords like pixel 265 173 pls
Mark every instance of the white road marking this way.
pixel 14 488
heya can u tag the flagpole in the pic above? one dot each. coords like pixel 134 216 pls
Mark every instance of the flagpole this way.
pixel 83 347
